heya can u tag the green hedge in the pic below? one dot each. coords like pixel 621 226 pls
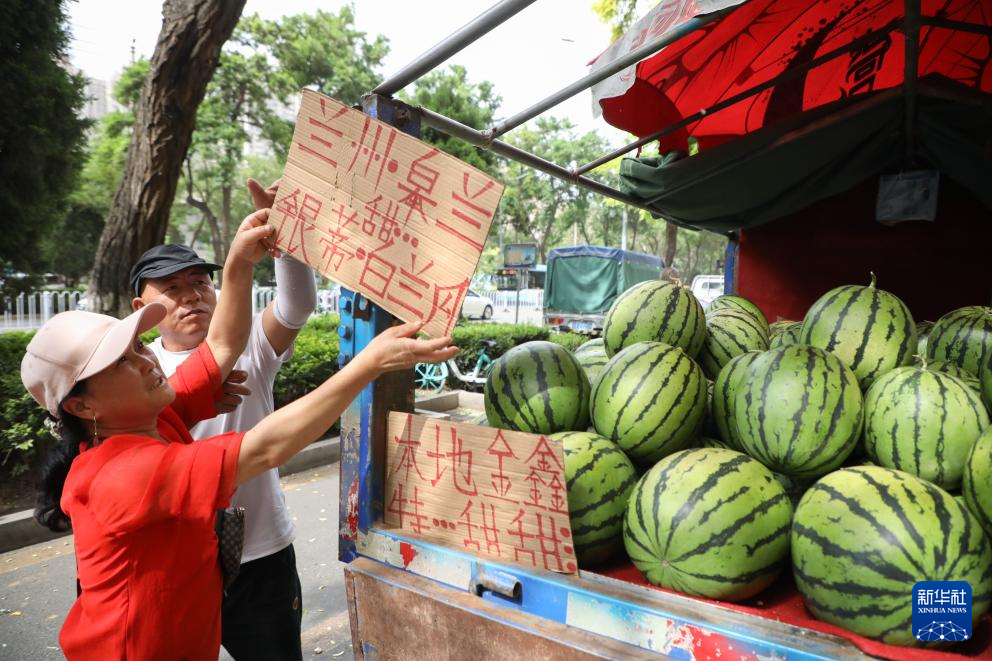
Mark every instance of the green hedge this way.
pixel 314 360
pixel 23 437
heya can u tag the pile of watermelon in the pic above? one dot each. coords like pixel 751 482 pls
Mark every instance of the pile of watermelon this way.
pixel 853 447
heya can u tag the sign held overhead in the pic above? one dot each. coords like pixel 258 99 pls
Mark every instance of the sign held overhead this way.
pixel 383 213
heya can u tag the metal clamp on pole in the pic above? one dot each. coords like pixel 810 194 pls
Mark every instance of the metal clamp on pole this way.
pixel 497 582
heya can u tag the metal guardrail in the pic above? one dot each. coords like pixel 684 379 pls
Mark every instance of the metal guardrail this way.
pixel 30 310
pixel 507 300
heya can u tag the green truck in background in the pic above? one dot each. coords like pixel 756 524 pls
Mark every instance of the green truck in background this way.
pixel 582 282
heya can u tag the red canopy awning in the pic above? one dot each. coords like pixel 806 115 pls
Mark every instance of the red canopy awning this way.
pixel 762 39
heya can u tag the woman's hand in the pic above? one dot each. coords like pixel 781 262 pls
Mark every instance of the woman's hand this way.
pixel 253 238
pixel 396 348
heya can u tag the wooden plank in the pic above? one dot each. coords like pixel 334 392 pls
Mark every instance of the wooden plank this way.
pixel 401 616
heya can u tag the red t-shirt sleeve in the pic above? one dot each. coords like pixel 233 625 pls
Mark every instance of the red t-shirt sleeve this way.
pixel 197 384
pixel 152 481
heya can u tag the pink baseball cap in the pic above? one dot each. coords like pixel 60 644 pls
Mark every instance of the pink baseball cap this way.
pixel 73 346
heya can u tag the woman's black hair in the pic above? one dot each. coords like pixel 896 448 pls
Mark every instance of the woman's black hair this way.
pixel 71 430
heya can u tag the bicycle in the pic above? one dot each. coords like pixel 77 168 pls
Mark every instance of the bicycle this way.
pixel 434 376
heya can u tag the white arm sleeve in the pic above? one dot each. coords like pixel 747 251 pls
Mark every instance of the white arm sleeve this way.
pixel 296 292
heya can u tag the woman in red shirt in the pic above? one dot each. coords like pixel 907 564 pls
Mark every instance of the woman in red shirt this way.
pixel 140 495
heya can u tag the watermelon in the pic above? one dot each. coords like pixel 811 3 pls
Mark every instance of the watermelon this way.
pixel 963 337
pixel 593 361
pixel 706 442
pixel 786 335
pixel 588 345
pixel 724 389
pixel 481 420
pixel 708 522
pixel 977 484
pixel 537 387
pixel 655 311
pixel 923 329
pixel 777 327
pixel 798 411
pixel 862 537
pixel 953 370
pixel 794 488
pixel 923 422
pixel 600 478
pixel 729 333
pixel 650 400
pixel 869 329
pixel 741 304
pixel 985 380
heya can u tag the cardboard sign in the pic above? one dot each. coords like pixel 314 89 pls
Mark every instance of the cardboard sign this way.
pixel 383 213
pixel 488 491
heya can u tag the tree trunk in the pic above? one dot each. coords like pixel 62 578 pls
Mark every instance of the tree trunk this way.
pixel 186 55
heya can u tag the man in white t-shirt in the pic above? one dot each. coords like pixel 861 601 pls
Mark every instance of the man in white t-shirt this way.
pixel 262 609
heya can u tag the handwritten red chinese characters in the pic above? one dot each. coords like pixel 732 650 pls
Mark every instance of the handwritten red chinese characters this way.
pixel 483 490
pixel 383 213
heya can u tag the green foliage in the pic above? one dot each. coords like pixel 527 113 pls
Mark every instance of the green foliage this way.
pixel 22 428
pixel 537 206
pixel 315 360
pixel 127 90
pixel 41 133
pixel 618 14
pixel 261 70
pixel 68 248
pixel 323 50
pixel 450 93
pixel 570 341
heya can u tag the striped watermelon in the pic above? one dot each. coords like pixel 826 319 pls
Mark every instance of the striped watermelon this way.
pixel 650 400
pixel 953 370
pixel 798 411
pixel 923 329
pixel 729 333
pixel 963 337
pixel 985 380
pixel 537 387
pixel 786 335
pixel 708 522
pixel 862 537
pixel 724 389
pixel 739 303
pixel 588 345
pixel 869 329
pixel 794 488
pixel 600 478
pixel 977 484
pixel 923 422
pixel 706 442
pixel 593 361
pixel 655 311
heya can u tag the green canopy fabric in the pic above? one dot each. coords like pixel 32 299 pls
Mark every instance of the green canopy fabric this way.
pixel 784 168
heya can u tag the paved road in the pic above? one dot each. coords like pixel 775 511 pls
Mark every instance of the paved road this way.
pixel 37 583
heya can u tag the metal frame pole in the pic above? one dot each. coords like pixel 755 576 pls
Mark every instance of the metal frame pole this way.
pixel 911 28
pixel 363 423
pixel 456 41
pixel 616 66
pixel 959 26
pixel 472 136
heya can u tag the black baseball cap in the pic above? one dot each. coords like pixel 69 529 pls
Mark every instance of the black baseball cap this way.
pixel 164 260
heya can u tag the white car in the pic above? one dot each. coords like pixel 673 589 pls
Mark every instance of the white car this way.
pixel 476 307
pixel 706 288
